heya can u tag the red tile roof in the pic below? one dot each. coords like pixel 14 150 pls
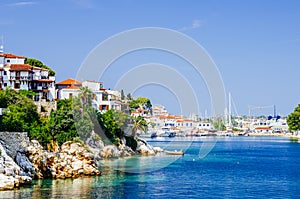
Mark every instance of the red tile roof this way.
pixel 8 55
pixel 20 67
pixel 69 81
pixel 263 128
pixel 73 87
pixel 38 68
pixel 43 80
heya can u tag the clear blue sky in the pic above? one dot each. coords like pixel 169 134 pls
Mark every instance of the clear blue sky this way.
pixel 255 44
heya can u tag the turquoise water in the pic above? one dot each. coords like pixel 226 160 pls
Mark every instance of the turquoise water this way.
pixel 236 167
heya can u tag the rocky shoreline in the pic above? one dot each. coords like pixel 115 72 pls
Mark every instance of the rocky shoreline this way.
pixel 22 160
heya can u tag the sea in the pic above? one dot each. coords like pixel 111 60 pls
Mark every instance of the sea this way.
pixel 212 167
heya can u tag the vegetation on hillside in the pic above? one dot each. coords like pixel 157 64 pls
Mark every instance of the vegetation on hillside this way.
pixel 38 63
pixel 73 119
pixel 293 119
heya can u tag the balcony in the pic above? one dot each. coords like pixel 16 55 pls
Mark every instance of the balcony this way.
pixel 40 88
pixel 24 77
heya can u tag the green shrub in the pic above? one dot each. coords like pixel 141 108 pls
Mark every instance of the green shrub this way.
pixel 131 142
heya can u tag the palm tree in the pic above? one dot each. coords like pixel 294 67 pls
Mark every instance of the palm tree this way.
pixel 85 95
pixel 139 123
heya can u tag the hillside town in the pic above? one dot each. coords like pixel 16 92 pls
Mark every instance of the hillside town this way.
pixel 18 75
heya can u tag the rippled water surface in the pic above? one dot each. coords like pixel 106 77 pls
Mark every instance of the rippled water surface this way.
pixel 236 167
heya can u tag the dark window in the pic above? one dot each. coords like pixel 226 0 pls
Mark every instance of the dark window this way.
pixel 5 73
pixel 17 85
pixel 8 61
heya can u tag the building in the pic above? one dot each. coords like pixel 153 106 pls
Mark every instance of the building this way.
pixel 68 88
pixel 16 74
pixel 102 99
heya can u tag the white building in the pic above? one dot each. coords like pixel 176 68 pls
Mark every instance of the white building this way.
pixel 102 99
pixel 16 74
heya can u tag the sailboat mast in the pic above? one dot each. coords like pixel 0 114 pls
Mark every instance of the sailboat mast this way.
pixel 229 109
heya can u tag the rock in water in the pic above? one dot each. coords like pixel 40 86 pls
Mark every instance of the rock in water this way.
pixel 10 172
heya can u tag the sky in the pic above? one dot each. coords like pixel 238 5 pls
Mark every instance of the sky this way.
pixel 254 44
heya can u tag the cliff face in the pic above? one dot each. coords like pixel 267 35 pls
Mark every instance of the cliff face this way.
pixel 10 173
pixel 22 160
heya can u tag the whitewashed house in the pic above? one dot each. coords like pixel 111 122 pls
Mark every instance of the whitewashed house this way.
pixel 102 99
pixel 16 74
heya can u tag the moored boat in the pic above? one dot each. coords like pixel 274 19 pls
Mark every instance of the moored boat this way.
pixel 175 152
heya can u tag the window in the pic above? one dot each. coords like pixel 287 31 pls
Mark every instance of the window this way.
pixel 70 95
pixel 5 73
pixel 8 61
pixel 17 85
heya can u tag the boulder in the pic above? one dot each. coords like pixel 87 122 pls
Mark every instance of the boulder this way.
pixel 144 150
pixel 6 182
pixel 109 151
pixel 158 149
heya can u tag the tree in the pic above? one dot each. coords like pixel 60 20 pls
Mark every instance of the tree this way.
pixel 85 95
pixel 139 123
pixel 293 119
pixel 129 97
pixel 141 102
pixel 219 125
pixel 110 126
pixel 38 63
pixel 20 114
pixel 122 95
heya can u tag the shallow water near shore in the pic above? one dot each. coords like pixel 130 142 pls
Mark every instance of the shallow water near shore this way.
pixel 237 167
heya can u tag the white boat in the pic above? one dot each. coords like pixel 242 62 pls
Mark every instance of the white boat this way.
pixel 166 132
pixel 175 152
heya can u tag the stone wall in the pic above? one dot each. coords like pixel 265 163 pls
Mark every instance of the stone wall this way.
pixel 44 108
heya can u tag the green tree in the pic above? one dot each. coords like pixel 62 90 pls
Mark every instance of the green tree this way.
pixel 38 63
pixel 140 102
pixel 85 95
pixel 219 125
pixel 139 123
pixel 293 119
pixel 111 122
pixel 122 95
pixel 129 97
pixel 20 114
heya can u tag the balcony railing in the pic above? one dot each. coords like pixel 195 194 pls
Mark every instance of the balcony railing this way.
pixel 20 78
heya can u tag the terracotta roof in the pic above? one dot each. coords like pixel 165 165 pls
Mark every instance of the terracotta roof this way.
pixel 43 80
pixel 73 87
pixel 20 67
pixel 263 128
pixel 38 68
pixel 8 55
pixel 69 81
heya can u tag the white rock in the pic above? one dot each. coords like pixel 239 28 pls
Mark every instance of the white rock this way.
pixel 6 182
pixel 77 165
pixel 158 149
